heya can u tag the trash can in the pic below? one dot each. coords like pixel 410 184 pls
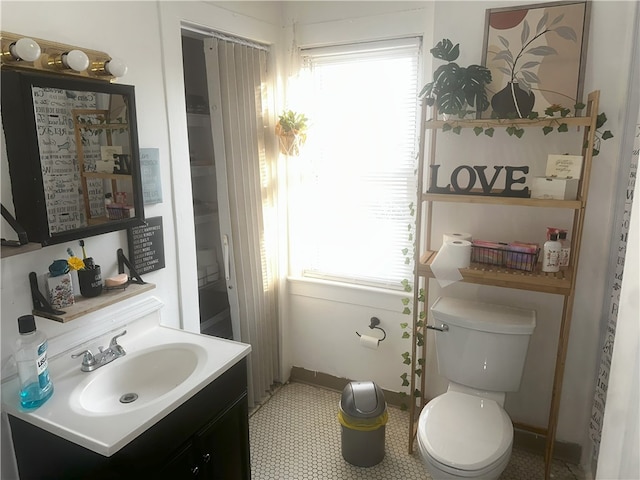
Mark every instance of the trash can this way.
pixel 363 416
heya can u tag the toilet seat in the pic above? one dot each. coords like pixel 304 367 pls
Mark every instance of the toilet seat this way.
pixel 465 433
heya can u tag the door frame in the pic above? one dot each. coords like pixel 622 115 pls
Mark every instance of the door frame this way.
pixel 174 16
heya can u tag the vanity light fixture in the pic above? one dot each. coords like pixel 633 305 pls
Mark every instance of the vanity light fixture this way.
pixel 26 49
pixel 76 60
pixel 21 52
pixel 114 66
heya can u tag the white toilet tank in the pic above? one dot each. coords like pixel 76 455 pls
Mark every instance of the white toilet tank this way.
pixel 485 346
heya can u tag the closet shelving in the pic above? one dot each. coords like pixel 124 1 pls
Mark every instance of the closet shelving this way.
pixel 561 283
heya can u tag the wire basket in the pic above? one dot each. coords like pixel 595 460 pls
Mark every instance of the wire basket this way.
pixel 508 256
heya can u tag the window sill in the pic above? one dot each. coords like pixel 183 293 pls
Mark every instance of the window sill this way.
pixel 347 293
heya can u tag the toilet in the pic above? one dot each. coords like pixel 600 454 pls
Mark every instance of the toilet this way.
pixel 481 349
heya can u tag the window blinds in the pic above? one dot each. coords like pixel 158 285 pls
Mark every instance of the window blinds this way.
pixel 352 216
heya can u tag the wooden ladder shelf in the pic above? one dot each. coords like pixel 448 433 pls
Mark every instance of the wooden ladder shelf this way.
pixel 562 283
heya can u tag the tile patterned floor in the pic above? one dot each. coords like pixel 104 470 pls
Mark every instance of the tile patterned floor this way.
pixel 296 436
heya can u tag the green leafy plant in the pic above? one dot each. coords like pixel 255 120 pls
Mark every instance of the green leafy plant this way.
pixel 291 130
pixel 454 87
pixel 408 331
pixel 290 122
pixel 556 113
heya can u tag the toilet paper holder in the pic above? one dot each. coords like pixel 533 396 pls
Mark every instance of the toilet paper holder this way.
pixel 375 321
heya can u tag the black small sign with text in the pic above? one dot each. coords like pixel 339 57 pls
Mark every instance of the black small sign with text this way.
pixel 146 246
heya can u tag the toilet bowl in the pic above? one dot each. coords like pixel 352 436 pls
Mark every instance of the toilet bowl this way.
pixel 461 435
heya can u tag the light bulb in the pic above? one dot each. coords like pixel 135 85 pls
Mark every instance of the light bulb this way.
pixel 115 67
pixel 75 60
pixel 25 49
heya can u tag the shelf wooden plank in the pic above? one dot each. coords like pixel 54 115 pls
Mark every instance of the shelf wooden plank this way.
pixel 507 122
pixel 11 251
pixel 483 274
pixel 103 126
pixel 108 176
pixel 496 200
pixel 84 305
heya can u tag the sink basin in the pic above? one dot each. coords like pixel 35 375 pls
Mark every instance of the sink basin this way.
pixel 137 379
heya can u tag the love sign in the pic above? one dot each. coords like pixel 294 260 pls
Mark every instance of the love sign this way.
pixel 465 177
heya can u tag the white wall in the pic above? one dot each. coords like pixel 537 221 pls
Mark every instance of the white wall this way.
pixel 323 329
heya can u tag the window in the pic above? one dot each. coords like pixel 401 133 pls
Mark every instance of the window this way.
pixel 350 210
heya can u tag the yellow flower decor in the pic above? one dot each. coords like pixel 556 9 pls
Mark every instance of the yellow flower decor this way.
pixel 75 263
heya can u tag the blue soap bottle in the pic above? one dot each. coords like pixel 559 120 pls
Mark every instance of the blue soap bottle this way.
pixel 33 367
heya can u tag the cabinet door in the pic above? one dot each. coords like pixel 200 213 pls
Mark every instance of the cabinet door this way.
pixel 184 464
pixel 223 445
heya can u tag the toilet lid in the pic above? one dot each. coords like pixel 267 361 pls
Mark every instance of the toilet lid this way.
pixel 465 431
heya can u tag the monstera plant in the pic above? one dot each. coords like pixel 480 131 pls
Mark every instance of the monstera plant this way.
pixel 454 89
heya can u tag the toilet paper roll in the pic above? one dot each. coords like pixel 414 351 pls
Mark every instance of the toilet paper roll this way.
pixel 369 342
pixel 457 236
pixel 453 254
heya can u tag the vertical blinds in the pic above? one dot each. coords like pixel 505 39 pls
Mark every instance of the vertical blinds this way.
pixel 358 179
pixel 238 79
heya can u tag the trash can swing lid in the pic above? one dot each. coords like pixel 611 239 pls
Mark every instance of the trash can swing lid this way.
pixel 362 400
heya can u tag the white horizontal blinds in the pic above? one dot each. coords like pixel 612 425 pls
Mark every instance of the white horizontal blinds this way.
pixel 362 104
pixel 242 77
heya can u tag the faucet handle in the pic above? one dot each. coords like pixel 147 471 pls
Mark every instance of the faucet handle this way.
pixel 113 344
pixel 88 359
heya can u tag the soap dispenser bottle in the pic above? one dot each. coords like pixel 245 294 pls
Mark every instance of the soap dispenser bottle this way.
pixel 33 367
pixel 565 252
pixel 551 254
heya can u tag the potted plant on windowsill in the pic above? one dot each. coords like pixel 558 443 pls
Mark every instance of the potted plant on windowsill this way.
pixel 454 88
pixel 291 130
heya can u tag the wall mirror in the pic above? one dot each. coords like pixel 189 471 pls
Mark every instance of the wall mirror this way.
pixel 72 147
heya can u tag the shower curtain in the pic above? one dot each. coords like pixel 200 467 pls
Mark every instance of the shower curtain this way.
pixel 614 426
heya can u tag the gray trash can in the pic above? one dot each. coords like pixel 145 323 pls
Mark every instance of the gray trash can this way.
pixel 363 416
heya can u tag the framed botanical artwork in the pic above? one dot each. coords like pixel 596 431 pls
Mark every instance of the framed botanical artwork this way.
pixel 536 55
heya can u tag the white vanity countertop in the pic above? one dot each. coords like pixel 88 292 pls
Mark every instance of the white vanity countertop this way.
pixel 107 433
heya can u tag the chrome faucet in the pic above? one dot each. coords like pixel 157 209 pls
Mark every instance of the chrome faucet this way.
pixel 91 362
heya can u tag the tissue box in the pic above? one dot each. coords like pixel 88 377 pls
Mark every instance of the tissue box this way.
pixel 106 163
pixel 554 188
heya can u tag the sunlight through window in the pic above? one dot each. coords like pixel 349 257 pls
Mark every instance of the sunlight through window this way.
pixel 350 212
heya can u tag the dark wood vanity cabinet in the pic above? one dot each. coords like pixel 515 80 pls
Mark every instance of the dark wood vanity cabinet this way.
pixel 213 452
pixel 206 437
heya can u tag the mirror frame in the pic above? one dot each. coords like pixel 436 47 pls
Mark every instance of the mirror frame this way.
pixel 21 139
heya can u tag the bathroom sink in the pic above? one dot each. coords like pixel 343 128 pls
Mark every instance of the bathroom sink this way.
pixel 137 379
pixel 107 408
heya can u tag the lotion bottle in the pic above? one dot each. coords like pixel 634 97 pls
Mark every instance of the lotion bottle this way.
pixel 33 367
pixel 565 252
pixel 551 251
